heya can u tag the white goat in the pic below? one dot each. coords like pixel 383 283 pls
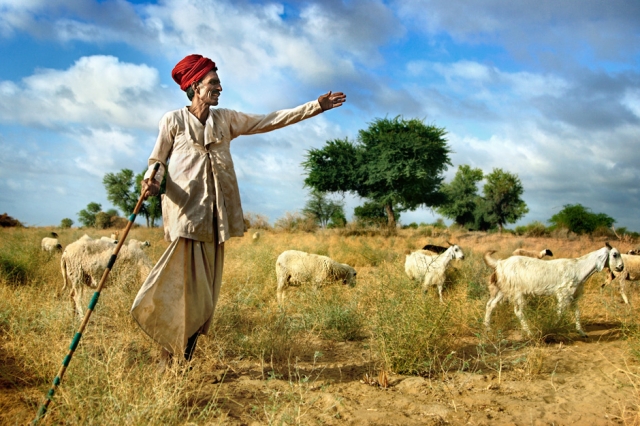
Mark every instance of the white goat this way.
pixel 430 269
pixel 84 262
pixel 529 253
pixel 298 267
pixel 50 245
pixel 518 276
pixel 630 272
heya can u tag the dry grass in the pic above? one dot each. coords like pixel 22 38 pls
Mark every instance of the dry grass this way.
pixel 112 378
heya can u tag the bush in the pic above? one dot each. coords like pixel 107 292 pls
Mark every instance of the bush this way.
pixel 7 221
pixel 257 221
pixel 66 223
pixel 534 229
pixel 296 222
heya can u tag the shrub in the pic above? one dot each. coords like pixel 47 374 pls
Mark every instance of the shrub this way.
pixel 7 221
pixel 257 221
pixel 292 222
pixel 66 223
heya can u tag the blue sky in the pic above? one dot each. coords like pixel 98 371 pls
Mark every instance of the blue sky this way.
pixel 548 90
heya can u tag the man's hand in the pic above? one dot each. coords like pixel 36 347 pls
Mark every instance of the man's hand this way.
pixel 149 188
pixel 332 100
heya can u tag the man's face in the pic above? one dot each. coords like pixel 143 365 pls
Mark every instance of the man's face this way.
pixel 209 89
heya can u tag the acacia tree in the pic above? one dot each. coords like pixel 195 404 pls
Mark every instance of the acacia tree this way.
pixel 323 209
pixel 502 202
pixel 395 162
pixel 462 197
pixel 87 216
pixel 123 190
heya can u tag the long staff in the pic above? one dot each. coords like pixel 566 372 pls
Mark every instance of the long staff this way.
pixel 92 304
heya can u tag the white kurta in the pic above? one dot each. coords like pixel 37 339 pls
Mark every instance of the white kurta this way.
pixel 201 210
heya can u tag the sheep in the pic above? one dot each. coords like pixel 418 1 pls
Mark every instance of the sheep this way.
pixel 528 253
pixel 297 267
pixel 140 244
pixel 109 240
pixel 634 252
pixel 630 272
pixel 50 245
pixel 256 236
pixel 431 269
pixel 84 261
pixel 53 234
pixel 114 235
pixel 518 276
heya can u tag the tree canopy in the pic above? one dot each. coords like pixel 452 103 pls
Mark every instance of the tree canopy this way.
pixel 500 204
pixel 462 197
pixel 123 190
pixel 579 219
pixel 395 162
pixel 323 209
pixel 502 201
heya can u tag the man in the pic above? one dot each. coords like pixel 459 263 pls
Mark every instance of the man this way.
pixel 201 208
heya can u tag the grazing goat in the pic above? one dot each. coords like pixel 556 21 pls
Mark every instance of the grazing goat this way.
pixel 529 253
pixel 84 262
pixel 517 276
pixel 50 245
pixel 430 270
pixel 630 272
pixel 297 267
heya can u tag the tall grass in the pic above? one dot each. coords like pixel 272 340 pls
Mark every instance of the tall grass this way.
pixel 113 380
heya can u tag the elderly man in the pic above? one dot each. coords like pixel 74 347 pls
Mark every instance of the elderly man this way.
pixel 201 208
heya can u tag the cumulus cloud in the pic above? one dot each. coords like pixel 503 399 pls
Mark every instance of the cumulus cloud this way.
pixel 95 90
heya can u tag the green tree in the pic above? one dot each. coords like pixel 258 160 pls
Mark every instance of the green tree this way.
pixel 87 217
pixel 502 201
pixel 120 191
pixel 322 208
pixel 152 208
pixel 66 223
pixel 103 220
pixel 338 219
pixel 462 197
pixel 395 162
pixel 580 220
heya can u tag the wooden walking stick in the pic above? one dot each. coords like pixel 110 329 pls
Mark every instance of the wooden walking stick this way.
pixel 92 304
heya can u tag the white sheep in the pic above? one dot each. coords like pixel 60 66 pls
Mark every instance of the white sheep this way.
pixel 518 276
pixel 298 267
pixel 50 245
pixel 630 272
pixel 140 244
pixel 84 262
pixel 430 269
pixel 256 236
pixel 109 240
pixel 529 253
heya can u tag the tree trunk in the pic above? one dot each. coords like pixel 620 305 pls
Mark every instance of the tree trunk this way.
pixel 500 228
pixel 391 218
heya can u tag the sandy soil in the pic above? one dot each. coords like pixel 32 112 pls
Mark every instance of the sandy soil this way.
pixel 582 382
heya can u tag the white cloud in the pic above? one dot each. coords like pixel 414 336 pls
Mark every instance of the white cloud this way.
pixel 95 90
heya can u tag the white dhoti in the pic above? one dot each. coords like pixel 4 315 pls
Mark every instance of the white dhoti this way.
pixel 180 294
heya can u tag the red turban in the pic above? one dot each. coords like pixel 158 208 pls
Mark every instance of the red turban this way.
pixel 191 69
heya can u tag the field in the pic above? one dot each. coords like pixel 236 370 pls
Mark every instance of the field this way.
pixel 378 353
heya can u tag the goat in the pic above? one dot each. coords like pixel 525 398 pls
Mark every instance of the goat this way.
pixel 431 269
pixel 528 253
pixel 518 276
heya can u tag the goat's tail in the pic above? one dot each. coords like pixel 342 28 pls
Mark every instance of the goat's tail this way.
pixel 491 262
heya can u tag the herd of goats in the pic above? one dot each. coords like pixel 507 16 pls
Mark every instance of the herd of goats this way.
pixel 524 273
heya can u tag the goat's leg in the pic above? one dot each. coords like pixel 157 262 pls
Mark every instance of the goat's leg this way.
pixel 440 292
pixel 491 304
pixel 623 281
pixel 518 307
pixel 576 313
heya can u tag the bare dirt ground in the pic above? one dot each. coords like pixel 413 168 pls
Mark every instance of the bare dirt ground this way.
pixel 581 382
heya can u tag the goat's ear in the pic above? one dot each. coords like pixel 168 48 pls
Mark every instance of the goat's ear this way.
pixel 608 245
pixel 448 242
